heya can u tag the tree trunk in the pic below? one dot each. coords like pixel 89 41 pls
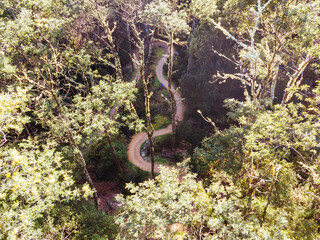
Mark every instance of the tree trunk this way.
pixel 149 47
pixel 147 96
pixel 85 170
pixel 294 80
pixel 81 159
pixel 150 137
pixel 171 92
pixel 130 46
pixel 150 129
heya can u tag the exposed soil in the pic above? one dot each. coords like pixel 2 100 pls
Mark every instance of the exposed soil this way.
pixel 107 192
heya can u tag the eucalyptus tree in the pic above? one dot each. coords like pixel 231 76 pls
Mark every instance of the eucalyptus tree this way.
pixel 272 155
pixel 72 100
pixel 172 18
pixel 274 41
pixel 272 149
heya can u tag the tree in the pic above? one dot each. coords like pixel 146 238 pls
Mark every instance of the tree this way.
pixel 175 205
pixel 173 197
pixel 131 14
pixel 39 198
pixel 170 17
pixel 32 173
pixel 63 80
pixel 268 40
pixel 33 181
pixel 82 122
pixel 57 100
pixel 270 155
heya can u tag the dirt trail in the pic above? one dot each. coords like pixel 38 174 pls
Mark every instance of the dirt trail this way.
pixel 139 138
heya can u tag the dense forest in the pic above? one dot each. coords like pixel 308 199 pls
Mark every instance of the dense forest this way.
pixel 160 119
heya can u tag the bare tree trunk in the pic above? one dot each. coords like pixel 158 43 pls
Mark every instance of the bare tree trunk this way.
pixel 130 46
pixel 150 129
pixel 149 46
pixel 147 96
pixel 152 152
pixel 294 80
pixel 171 92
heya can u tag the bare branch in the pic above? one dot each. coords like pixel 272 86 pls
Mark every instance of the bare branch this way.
pixel 224 56
pixel 300 155
pixel 207 119
pixel 4 138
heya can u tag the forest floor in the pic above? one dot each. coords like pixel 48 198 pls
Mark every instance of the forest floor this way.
pixel 134 154
pixel 107 191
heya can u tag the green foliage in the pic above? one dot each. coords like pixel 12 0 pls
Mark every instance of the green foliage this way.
pixel 157 53
pixel 156 204
pixel 13 108
pixel 167 15
pixel 87 118
pixel 190 133
pixel 274 39
pixel 220 151
pixel 160 122
pixel 175 204
pixel 134 175
pixel 82 220
pixel 55 67
pixel 33 181
pixel 162 142
pixel 269 154
pixel 160 160
pixel 261 176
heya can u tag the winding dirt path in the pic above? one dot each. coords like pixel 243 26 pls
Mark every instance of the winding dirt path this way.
pixel 138 139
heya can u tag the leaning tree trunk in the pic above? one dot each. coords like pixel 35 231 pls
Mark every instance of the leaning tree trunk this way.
pixel 171 91
pixel 81 158
pixel 84 167
pixel 130 46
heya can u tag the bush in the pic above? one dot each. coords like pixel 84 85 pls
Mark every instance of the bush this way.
pixel 161 122
pixel 101 159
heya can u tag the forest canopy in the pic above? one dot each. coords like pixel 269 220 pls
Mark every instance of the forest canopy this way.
pixel 226 91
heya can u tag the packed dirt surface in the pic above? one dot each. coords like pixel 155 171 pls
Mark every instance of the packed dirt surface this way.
pixel 138 139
